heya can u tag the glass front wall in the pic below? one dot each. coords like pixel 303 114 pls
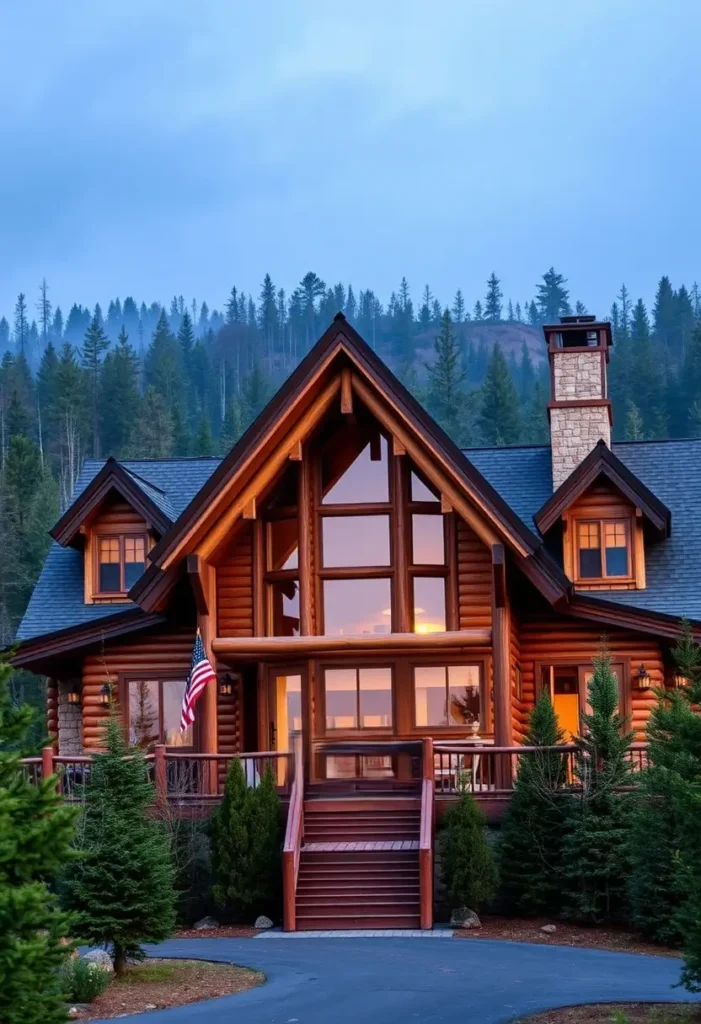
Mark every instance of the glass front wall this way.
pixel 356 607
pixel 351 541
pixel 358 698
pixel 429 604
pixel 428 544
pixel 366 479
pixel 284 598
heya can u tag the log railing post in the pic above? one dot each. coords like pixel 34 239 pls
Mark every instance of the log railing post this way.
pixel 160 778
pixel 47 763
pixel 426 830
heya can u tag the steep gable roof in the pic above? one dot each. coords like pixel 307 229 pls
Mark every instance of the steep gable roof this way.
pixel 601 461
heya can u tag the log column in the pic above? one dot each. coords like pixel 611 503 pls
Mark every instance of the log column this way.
pixel 501 659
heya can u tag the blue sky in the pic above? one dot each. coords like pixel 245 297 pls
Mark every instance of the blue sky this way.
pixel 153 147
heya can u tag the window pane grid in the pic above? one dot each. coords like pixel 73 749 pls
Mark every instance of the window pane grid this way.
pixel 358 698
pixel 121 562
pixel 603 549
pixel 447 696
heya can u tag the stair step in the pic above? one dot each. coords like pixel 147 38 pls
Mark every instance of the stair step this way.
pixel 362 898
pixel 328 922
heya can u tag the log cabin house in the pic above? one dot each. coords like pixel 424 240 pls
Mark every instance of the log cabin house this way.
pixel 381 607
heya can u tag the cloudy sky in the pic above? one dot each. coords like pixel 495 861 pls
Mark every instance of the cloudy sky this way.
pixel 153 147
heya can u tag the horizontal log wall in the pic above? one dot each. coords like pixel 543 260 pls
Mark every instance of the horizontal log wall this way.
pixel 235 586
pixel 559 640
pixel 474 579
pixel 119 515
pixel 162 654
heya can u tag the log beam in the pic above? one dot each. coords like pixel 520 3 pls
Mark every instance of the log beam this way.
pixel 272 646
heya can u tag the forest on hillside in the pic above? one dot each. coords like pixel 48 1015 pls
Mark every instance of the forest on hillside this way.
pixel 152 381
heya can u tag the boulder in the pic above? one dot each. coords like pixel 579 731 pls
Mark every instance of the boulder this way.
pixel 101 959
pixel 548 929
pixel 463 917
pixel 206 922
pixel 263 922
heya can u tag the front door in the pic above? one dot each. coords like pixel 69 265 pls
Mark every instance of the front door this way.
pixel 567 685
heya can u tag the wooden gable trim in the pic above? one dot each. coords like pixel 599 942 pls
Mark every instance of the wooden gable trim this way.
pixel 112 476
pixel 271 429
pixel 601 460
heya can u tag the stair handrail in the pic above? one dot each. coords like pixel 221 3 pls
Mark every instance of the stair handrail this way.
pixel 294 833
pixel 426 830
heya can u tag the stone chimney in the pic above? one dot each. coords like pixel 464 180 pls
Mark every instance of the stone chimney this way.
pixel 579 408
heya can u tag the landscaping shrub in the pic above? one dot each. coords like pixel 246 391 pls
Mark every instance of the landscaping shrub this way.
pixel 36 836
pixel 123 886
pixel 246 846
pixel 83 980
pixel 530 853
pixel 467 866
pixel 595 843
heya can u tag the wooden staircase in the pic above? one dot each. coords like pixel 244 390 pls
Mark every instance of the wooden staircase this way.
pixel 359 864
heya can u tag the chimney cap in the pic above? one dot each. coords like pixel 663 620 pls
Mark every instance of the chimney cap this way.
pixel 585 318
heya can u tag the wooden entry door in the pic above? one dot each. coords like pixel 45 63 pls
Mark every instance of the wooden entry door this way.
pixel 567 685
pixel 284 708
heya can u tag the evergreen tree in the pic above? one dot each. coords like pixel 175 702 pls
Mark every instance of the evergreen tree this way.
pixel 499 420
pixel 446 393
pixel 553 299
pixel 477 313
pixel 493 300
pixel 69 414
pixel 664 313
pixel 152 429
pixel 163 366
pixel 634 424
pixel 119 393
pixel 203 444
pixel 469 872
pixel 533 317
pixel 535 427
pixel 232 426
pixel 95 344
pixel 21 324
pixel 459 309
pixel 246 844
pixel 36 835
pixel 44 310
pixel 595 843
pixel 526 375
pixel 122 887
pixel 530 852
pixel 254 394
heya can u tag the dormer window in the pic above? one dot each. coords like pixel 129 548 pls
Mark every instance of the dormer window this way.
pixel 603 550
pixel 121 560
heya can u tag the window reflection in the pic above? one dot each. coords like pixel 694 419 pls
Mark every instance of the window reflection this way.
pixel 365 479
pixel 353 607
pixel 355 540
pixel 358 698
pixel 285 607
pixel 154 713
pixel 429 604
pixel 419 490
pixel 283 543
pixel 428 546
pixel 447 696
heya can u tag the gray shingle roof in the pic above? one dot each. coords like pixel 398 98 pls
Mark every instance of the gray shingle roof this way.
pixel 57 601
pixel 523 477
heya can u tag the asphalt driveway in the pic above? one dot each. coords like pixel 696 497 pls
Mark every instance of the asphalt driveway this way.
pixel 398 981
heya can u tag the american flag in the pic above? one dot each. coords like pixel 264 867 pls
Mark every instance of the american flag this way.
pixel 201 673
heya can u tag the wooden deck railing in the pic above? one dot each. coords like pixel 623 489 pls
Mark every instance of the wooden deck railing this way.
pixel 294 835
pixel 489 772
pixel 426 832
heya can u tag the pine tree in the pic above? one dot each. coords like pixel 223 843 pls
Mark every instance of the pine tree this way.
pixel 69 414
pixel 446 393
pixel 21 324
pixel 468 868
pixel 533 317
pixel 95 344
pixel 665 879
pixel 664 312
pixel 246 844
pixel 553 299
pixel 36 835
pixel 535 427
pixel 232 426
pixel 499 420
pixel 152 430
pixel 163 366
pixel 255 394
pixel 477 313
pixel 634 424
pixel 119 392
pixel 122 887
pixel 44 310
pixel 203 443
pixel 493 300
pixel 458 310
pixel 595 843
pixel 530 852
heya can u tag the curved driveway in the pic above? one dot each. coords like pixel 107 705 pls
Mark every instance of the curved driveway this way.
pixel 402 981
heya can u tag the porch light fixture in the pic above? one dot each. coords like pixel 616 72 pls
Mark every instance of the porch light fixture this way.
pixel 680 681
pixel 642 678
pixel 73 695
pixel 226 686
pixel 106 694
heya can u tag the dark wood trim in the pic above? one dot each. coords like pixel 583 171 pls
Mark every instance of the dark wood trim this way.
pixel 581 403
pixel 43 649
pixel 93 563
pixel 259 576
pixel 112 476
pixel 400 541
pixel 499 575
pixel 452 598
pixel 196 574
pixel 361 509
pixel 601 460
pixel 574 522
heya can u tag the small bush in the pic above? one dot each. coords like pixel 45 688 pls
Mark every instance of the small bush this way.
pixel 469 872
pixel 83 980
